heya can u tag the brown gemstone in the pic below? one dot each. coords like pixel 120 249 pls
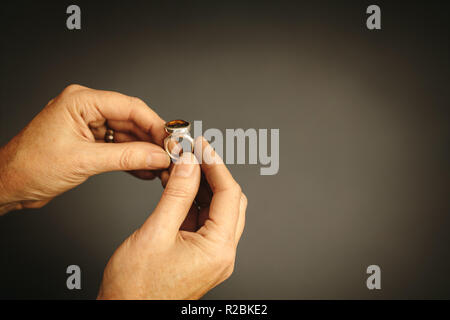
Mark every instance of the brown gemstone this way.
pixel 174 124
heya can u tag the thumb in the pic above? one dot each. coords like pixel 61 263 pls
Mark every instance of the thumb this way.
pixel 177 197
pixel 127 156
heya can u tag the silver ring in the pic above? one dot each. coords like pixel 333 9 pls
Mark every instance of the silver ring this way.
pixel 177 129
pixel 109 135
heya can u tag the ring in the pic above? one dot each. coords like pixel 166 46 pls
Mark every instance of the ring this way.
pixel 177 130
pixel 109 135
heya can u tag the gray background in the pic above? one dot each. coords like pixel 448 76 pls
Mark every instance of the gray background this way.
pixel 364 137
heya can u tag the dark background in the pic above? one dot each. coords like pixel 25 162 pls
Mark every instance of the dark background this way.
pixel 364 138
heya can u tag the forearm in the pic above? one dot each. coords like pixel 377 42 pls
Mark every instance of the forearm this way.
pixel 7 202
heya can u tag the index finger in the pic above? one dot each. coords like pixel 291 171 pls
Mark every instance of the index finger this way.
pixel 116 106
pixel 224 207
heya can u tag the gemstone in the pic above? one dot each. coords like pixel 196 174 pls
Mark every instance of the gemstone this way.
pixel 175 124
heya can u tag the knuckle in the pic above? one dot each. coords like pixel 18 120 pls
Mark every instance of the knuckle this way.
pixel 51 101
pixel 72 93
pixel 126 158
pixel 235 191
pixel 134 104
pixel 237 188
pixel 136 101
pixel 72 88
pixel 84 163
pixel 244 199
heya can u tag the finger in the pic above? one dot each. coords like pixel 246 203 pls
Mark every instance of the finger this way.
pixel 98 129
pixel 104 157
pixel 224 207
pixel 201 201
pixel 241 220
pixel 99 135
pixel 177 197
pixel 34 204
pixel 116 106
pixel 119 137
pixel 128 127
pixel 143 174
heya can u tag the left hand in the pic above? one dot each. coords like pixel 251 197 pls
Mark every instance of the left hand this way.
pixel 64 145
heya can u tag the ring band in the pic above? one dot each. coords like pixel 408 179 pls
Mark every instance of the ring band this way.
pixel 109 135
pixel 177 129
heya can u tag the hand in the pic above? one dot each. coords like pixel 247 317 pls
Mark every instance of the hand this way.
pixel 181 251
pixel 64 145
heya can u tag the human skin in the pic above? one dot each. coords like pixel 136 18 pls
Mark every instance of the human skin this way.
pixel 187 245
pixel 59 149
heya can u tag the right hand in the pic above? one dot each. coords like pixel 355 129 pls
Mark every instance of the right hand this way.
pixel 181 251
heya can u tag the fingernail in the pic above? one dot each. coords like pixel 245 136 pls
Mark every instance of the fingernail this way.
pixel 158 160
pixel 185 165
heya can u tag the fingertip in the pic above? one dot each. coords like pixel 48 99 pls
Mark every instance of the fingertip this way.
pixel 205 152
pixel 158 160
pixel 186 165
